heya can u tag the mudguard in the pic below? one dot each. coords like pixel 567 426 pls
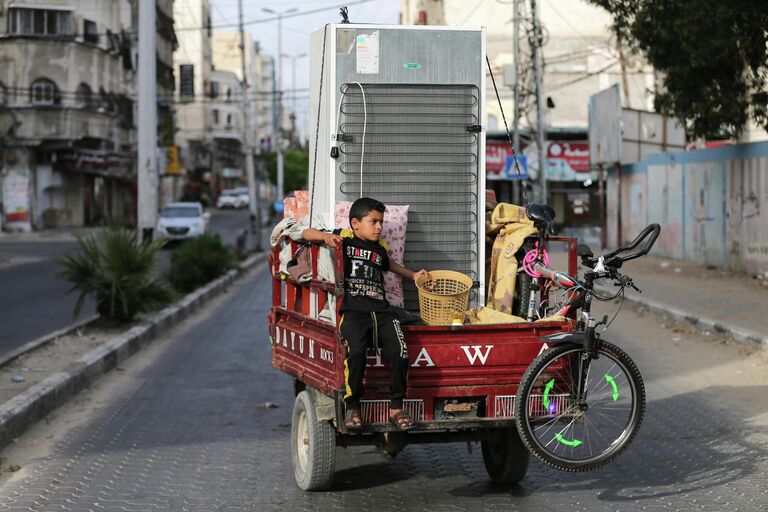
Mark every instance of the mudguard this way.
pixel 563 337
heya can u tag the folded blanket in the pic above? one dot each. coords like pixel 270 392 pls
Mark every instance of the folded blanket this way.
pixel 484 315
pixel 512 227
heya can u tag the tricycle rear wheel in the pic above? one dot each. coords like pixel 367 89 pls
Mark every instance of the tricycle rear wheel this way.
pixel 505 456
pixel 313 446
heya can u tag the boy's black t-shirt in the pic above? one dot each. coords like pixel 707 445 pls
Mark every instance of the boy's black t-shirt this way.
pixel 364 266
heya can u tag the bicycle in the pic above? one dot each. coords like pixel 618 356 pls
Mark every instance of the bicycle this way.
pixel 581 401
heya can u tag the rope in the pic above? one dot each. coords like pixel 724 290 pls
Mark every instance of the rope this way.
pixel 509 137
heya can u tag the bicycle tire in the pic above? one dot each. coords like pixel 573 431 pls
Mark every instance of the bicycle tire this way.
pixel 523 283
pixel 545 401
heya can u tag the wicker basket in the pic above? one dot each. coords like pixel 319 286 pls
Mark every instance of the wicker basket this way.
pixel 443 296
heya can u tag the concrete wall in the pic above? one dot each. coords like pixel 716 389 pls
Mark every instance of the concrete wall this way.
pixel 712 205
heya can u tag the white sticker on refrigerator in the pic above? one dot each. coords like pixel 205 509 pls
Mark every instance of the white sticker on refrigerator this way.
pixel 368 53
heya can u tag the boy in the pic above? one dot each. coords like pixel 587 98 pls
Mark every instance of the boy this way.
pixel 366 314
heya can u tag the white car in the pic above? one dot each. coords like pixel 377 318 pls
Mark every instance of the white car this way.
pixel 245 198
pixel 181 221
pixel 230 199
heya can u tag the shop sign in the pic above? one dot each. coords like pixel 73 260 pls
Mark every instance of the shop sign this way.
pixel 16 196
pixel 568 161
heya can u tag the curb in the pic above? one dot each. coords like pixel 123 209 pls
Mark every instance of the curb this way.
pixel 45 339
pixel 24 410
pixel 703 324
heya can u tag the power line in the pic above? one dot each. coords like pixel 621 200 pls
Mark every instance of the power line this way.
pixel 223 25
pixel 584 77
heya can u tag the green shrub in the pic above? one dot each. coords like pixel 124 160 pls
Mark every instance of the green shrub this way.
pixel 199 261
pixel 116 268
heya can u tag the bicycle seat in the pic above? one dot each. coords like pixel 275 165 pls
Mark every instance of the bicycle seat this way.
pixel 543 216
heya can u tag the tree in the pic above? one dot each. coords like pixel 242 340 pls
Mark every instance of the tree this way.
pixel 296 168
pixel 117 269
pixel 712 56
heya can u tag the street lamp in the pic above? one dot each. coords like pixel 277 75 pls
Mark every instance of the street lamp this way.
pixel 278 142
pixel 293 58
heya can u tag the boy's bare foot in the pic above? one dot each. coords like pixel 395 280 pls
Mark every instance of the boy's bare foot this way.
pixel 352 420
pixel 401 419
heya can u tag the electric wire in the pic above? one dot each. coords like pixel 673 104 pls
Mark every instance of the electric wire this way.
pixel 506 127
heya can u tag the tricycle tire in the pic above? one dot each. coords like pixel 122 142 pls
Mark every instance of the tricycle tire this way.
pixel 505 456
pixel 313 446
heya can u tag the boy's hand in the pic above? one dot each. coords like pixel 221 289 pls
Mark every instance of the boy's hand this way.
pixel 331 240
pixel 422 272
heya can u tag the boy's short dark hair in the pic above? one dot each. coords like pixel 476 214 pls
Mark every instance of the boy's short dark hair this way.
pixel 363 207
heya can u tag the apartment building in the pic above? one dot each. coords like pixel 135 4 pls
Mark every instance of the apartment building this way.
pixel 67 102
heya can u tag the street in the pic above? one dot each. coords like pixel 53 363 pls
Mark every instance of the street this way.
pixel 183 426
pixel 34 302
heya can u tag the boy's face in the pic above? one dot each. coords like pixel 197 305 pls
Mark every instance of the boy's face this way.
pixel 369 227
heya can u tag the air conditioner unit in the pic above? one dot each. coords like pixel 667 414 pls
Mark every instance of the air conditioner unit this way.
pixel 401 119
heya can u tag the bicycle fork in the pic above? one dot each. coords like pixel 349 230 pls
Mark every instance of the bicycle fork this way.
pixel 590 346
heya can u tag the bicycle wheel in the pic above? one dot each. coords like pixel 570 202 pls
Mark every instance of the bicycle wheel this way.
pixel 574 430
pixel 523 284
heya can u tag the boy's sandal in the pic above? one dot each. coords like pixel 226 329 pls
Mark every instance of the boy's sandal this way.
pixel 402 420
pixel 352 420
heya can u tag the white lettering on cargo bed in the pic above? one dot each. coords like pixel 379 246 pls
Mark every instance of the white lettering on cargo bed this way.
pixel 423 357
pixel 478 354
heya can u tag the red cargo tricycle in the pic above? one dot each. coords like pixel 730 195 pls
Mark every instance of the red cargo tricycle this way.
pixel 553 388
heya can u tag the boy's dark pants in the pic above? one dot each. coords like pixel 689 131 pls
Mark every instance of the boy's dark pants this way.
pixel 361 330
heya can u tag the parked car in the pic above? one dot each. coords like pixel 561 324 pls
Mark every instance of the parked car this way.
pixel 245 198
pixel 181 221
pixel 230 199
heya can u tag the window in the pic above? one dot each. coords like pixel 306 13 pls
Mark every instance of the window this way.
pixel 90 34
pixel 113 41
pixel 105 102
pixel 41 22
pixel 84 96
pixel 187 81
pixel 229 94
pixel 229 119
pixel 44 92
pixel 215 116
pixel 3 94
pixel 214 89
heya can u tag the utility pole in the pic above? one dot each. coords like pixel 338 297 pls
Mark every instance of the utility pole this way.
pixel 278 135
pixel 516 123
pixel 147 121
pixel 623 64
pixel 293 86
pixel 540 128
pixel 250 171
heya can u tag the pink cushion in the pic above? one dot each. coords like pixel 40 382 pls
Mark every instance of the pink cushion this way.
pixel 296 207
pixel 393 231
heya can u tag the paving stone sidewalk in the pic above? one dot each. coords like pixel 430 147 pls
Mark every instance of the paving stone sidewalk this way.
pixel 732 303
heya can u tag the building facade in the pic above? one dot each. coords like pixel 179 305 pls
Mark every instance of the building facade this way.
pixel 193 61
pixel 68 82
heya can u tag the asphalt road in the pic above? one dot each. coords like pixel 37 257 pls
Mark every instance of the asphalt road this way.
pixel 34 301
pixel 182 427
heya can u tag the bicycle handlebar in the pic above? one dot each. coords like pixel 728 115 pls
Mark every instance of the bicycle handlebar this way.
pixel 652 229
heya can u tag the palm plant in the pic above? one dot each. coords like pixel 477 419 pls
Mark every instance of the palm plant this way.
pixel 116 268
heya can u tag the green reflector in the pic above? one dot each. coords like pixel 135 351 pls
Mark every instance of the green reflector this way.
pixel 562 440
pixel 615 387
pixel 547 389
pixel 411 65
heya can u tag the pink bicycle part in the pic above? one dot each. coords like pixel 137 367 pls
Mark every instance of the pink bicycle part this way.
pixel 530 258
